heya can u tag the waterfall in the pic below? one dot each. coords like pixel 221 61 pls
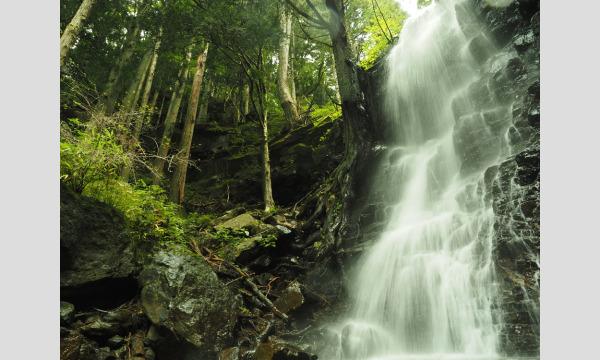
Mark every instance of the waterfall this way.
pixel 426 289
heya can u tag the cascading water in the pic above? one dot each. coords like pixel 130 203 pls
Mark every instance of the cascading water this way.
pixel 426 288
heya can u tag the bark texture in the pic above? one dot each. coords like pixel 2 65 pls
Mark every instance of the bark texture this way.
pixel 170 121
pixel 245 101
pixel 110 93
pixel 286 98
pixel 204 100
pixel 181 159
pixel 132 96
pixel 353 109
pixel 71 32
pixel 146 94
pixel 129 106
pixel 266 167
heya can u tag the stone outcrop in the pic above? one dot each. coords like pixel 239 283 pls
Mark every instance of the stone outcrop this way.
pixel 299 160
pixel 514 185
pixel 121 300
pixel 181 292
pixel 94 242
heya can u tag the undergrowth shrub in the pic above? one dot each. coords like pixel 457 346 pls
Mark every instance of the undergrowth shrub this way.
pixel 148 211
pixel 90 152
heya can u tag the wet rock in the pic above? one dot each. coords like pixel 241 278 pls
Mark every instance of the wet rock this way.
pixel 93 241
pixel 240 222
pixel 528 167
pixel 98 327
pixel 182 293
pixel 90 350
pixel 153 335
pixel 115 342
pixel 480 48
pixel 149 354
pixel 277 349
pixel 70 346
pixel 138 350
pixel 67 311
pixel 232 353
pixel 524 41
pixel 283 229
pixel 290 299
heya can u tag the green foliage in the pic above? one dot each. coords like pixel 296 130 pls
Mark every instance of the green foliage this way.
pixel 230 236
pixel 374 25
pixel 88 153
pixel 147 210
pixel 267 241
pixel 325 113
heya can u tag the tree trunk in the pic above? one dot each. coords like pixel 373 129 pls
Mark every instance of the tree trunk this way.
pixel 258 94
pixel 109 95
pixel 266 166
pixel 170 121
pixel 245 101
pixel 182 157
pixel 204 100
pixel 151 72
pixel 291 73
pixel 139 123
pixel 154 100
pixel 72 30
pixel 160 109
pixel 353 110
pixel 283 85
pixel 132 95
pixel 129 106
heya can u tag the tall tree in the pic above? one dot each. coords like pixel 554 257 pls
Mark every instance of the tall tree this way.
pixel 171 120
pixel 132 96
pixel 258 96
pixel 72 30
pixel 146 94
pixel 205 100
pixel 110 93
pixel 151 72
pixel 288 102
pixel 177 190
pixel 353 107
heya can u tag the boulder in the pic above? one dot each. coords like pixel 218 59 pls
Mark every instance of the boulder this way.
pixel 241 222
pixel 182 293
pixel 232 353
pixel 67 311
pixel 93 241
pixel 290 299
pixel 277 349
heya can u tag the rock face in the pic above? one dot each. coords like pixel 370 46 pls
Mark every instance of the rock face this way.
pixel 182 293
pixel 194 313
pixel 93 241
pixel 299 161
pixel 514 185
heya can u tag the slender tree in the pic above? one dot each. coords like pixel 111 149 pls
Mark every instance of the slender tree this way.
pixel 110 93
pixel 71 32
pixel 171 120
pixel 245 101
pixel 177 190
pixel 146 94
pixel 132 96
pixel 256 74
pixel 283 71
pixel 151 72
pixel 204 100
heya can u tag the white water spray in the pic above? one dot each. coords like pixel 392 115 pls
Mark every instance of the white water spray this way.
pixel 425 289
